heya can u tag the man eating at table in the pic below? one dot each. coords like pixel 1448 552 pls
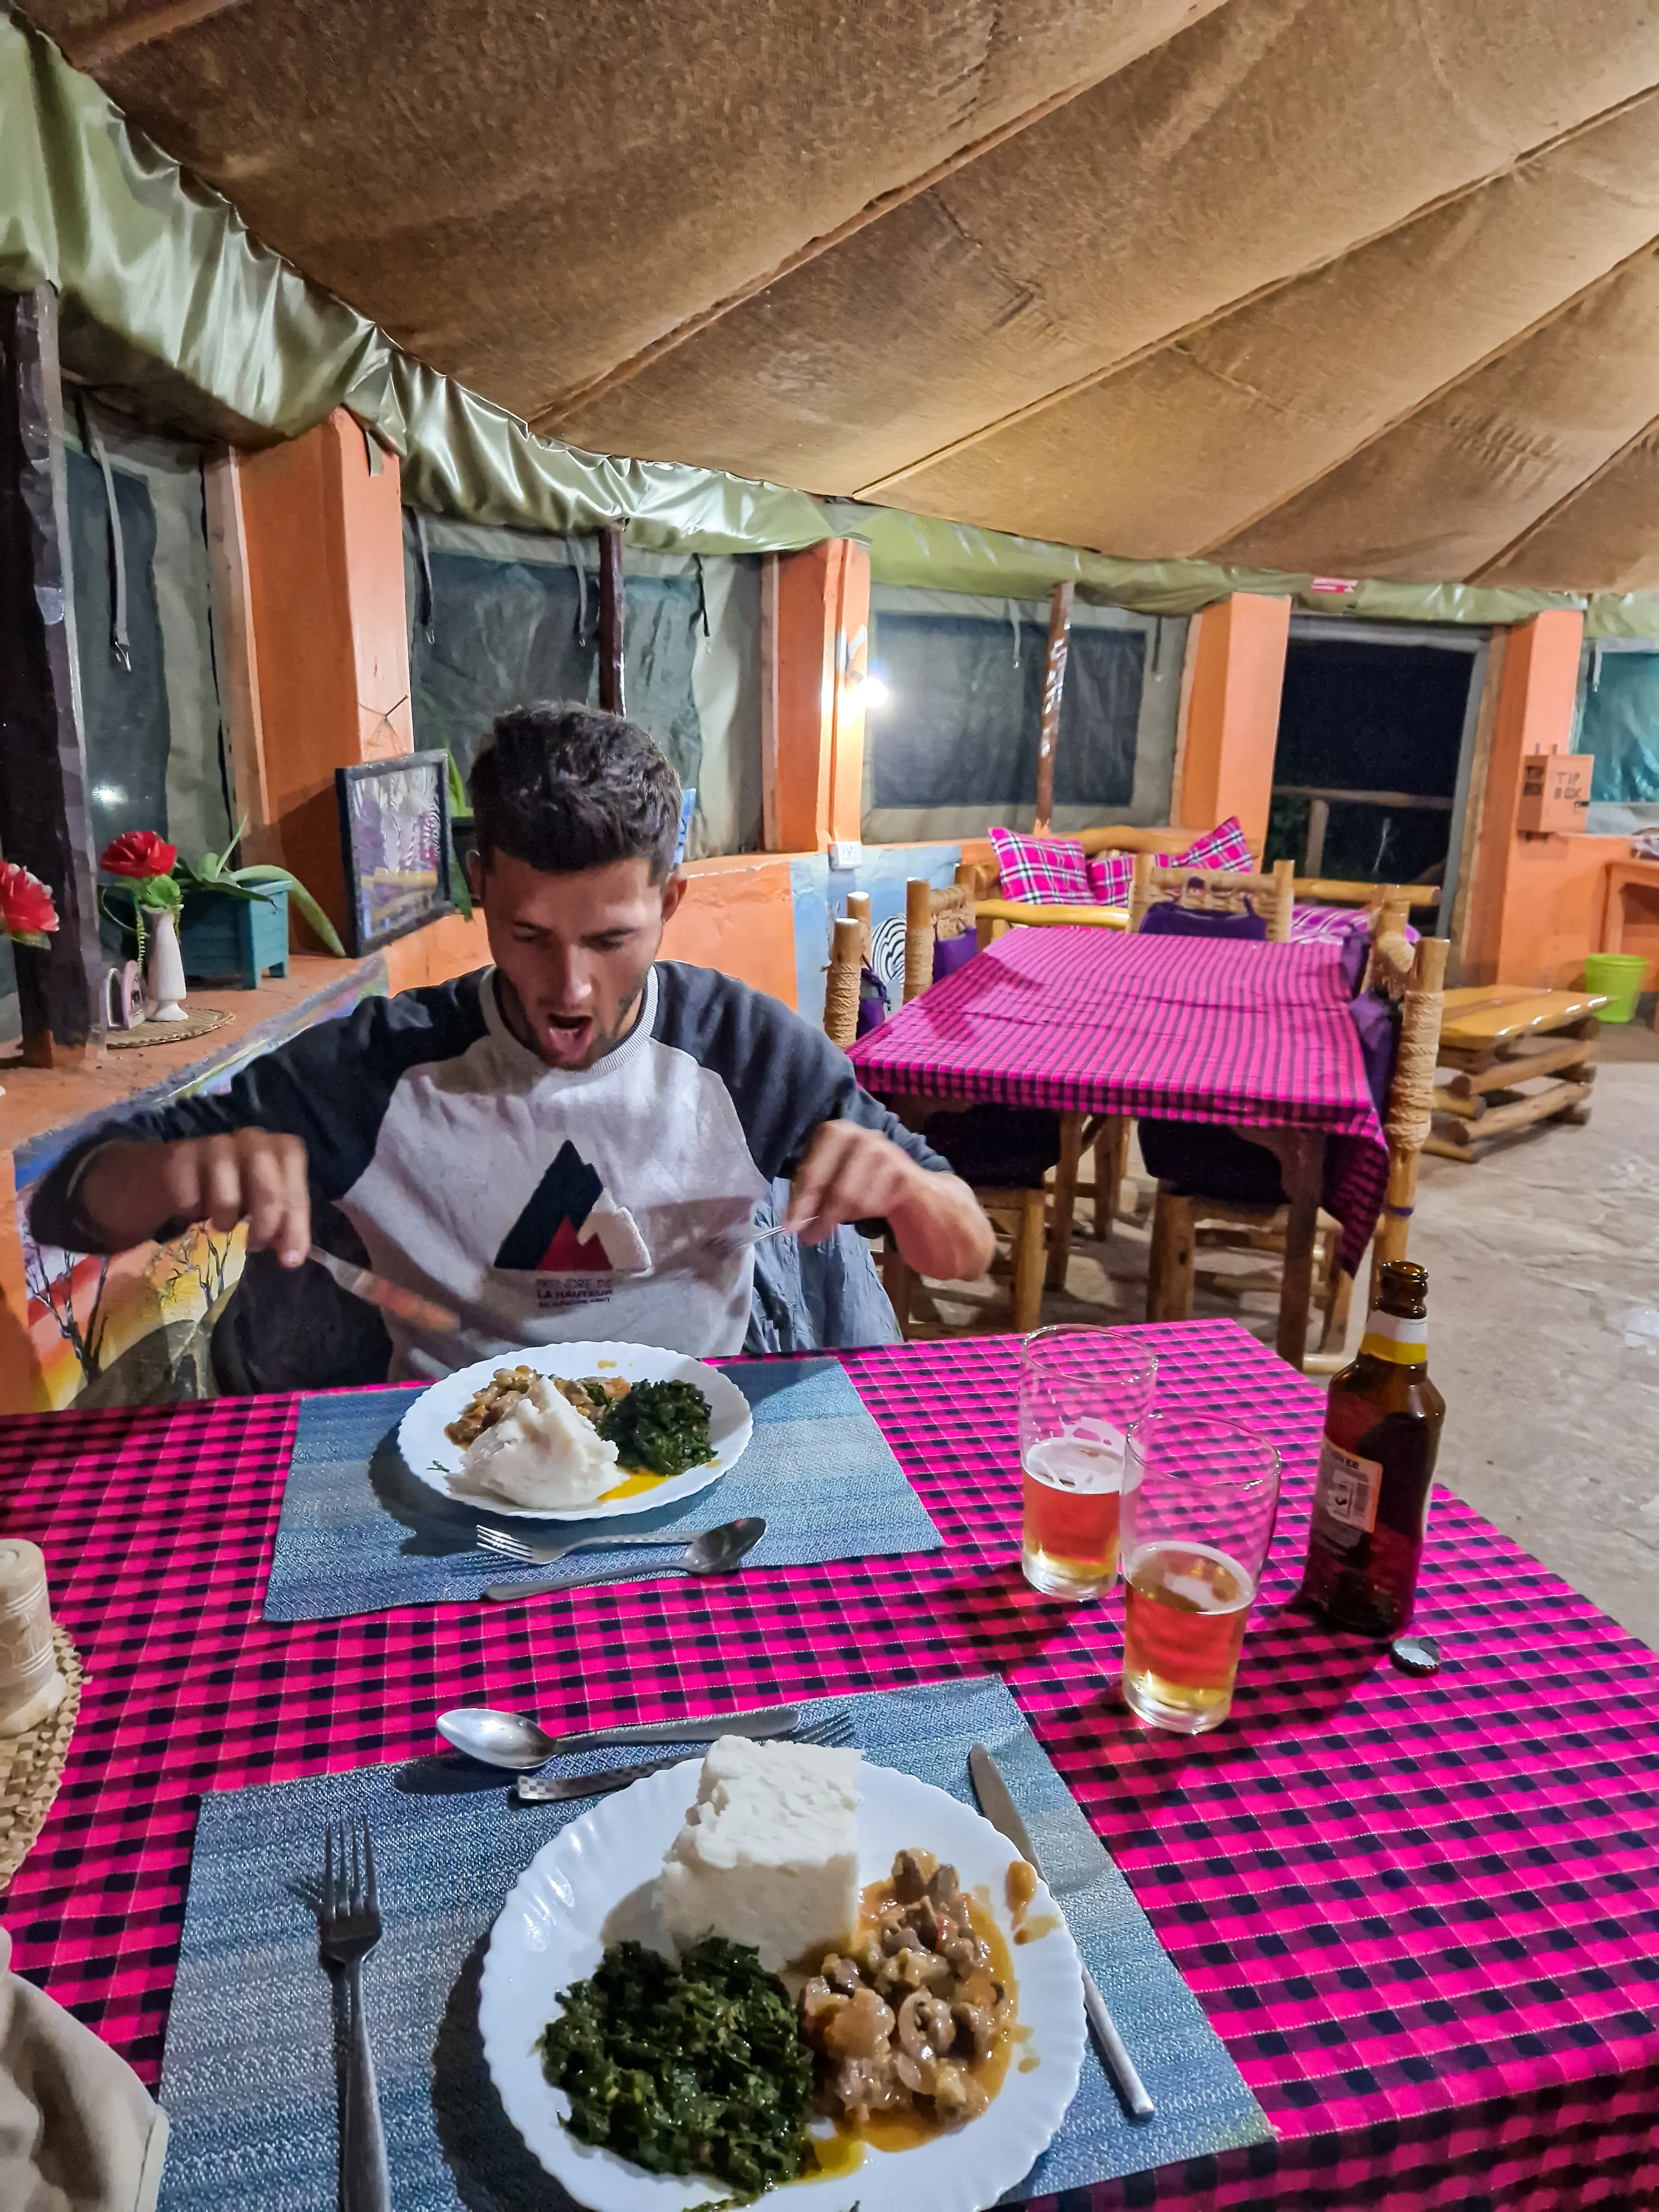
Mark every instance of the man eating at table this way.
pixel 556 1146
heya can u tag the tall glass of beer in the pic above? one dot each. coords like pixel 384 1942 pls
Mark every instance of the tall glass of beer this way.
pixel 1079 1390
pixel 1199 1502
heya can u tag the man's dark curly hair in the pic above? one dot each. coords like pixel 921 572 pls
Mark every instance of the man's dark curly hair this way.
pixel 564 788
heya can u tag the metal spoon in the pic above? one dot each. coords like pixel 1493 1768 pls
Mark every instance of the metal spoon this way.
pixel 516 1742
pixel 716 1551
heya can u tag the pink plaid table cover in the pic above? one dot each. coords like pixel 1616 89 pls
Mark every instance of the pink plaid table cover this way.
pixel 1182 1029
pixel 1423 1914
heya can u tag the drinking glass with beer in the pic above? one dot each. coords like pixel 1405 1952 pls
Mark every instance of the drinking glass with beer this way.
pixel 1079 1390
pixel 1199 1502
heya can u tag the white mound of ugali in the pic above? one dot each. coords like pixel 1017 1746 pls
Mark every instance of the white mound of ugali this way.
pixel 768 1854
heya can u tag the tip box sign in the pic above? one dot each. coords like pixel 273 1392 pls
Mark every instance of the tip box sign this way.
pixel 1555 789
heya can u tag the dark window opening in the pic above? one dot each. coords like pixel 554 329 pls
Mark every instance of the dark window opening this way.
pixel 1366 766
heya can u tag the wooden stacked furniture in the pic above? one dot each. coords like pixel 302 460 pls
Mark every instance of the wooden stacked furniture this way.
pixel 1497 1036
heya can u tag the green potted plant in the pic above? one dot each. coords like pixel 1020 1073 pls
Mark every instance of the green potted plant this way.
pixel 236 919
pixel 460 841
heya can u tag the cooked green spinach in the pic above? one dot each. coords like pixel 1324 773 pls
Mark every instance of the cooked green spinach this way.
pixel 660 1428
pixel 692 2068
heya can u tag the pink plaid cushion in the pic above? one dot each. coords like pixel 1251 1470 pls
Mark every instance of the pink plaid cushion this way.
pixel 1224 847
pixel 1331 925
pixel 1042 871
pixel 1052 871
pixel 1111 876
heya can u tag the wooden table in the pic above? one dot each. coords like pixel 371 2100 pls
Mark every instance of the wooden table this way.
pixel 1254 1037
pixel 1624 875
pixel 1496 1037
pixel 1641 876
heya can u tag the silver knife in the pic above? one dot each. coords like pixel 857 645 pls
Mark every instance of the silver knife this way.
pixel 761 1722
pixel 1000 1810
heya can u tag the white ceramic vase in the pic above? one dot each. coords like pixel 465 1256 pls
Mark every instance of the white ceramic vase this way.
pixel 164 970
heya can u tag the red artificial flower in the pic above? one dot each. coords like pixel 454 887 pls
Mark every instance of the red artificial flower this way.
pixel 139 853
pixel 27 912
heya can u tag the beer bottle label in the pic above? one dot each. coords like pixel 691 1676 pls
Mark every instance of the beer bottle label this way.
pixel 1402 1339
pixel 1345 1493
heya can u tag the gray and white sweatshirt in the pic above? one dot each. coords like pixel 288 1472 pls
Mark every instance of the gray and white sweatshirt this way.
pixel 542 1205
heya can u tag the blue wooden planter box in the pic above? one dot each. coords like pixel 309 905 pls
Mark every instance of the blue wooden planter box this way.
pixel 220 936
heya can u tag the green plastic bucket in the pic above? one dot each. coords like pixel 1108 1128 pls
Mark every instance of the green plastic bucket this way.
pixel 1622 975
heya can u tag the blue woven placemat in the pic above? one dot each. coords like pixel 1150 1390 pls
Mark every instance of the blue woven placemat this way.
pixel 249 2080
pixel 359 1533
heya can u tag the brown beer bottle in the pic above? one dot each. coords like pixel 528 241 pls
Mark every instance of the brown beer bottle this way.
pixel 1371 1499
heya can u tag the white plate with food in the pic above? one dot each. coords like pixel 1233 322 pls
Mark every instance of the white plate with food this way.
pixel 501 1435
pixel 943 2098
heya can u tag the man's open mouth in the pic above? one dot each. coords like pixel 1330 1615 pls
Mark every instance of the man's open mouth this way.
pixel 569 1036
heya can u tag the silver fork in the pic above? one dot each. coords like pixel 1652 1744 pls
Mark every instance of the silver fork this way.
pixel 348 1929
pixel 545 1555
pixel 834 1729
pixel 723 1244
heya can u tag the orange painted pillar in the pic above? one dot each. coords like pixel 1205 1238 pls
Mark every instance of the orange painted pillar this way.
pixel 1232 714
pixel 1516 877
pixel 329 640
pixel 819 634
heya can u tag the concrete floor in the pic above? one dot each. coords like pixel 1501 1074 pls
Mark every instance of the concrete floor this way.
pixel 1542 1258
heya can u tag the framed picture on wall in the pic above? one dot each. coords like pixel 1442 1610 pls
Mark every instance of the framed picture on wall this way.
pixel 394 832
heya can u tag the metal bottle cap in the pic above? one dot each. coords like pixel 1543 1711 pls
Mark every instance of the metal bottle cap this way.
pixel 1415 1654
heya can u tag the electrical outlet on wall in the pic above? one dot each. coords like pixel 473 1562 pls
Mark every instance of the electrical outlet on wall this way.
pixel 846 853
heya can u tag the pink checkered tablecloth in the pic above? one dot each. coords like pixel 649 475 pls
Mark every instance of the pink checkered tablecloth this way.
pixel 1424 1915
pixel 1182 1029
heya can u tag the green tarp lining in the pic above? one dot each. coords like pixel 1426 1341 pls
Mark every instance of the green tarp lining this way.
pixel 926 551
pixel 166 294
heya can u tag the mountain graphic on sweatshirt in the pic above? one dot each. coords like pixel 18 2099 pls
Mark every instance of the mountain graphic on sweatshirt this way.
pixel 547 1238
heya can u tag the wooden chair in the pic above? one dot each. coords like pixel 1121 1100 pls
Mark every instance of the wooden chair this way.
pixel 1018 1210
pixel 1293 1228
pixel 1210 891
pixel 1336 891
pixel 993 913
pixel 1234 1224
pixel 840 996
pixel 1216 890
pixel 929 915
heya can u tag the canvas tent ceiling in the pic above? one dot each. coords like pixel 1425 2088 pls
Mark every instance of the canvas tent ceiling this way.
pixel 1288 283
